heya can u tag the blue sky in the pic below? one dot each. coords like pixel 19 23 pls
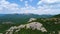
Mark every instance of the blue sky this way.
pixel 30 6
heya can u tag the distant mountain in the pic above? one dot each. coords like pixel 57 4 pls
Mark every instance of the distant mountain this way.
pixel 1 14
pixel 57 16
pixel 25 15
pixel 20 18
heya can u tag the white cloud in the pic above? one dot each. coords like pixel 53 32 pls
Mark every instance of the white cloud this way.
pixel 26 3
pixel 49 6
pixel 30 0
pixel 28 9
pixel 7 7
pixel 46 9
pixel 21 0
pixel 48 1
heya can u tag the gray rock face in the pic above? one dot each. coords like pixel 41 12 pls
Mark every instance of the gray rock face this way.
pixel 32 25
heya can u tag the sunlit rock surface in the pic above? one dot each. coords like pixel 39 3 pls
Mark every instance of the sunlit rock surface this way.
pixel 1 33
pixel 32 19
pixel 30 25
pixel 58 32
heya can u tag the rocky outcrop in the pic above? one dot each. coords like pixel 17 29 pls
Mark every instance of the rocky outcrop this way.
pixel 30 25
pixel 32 19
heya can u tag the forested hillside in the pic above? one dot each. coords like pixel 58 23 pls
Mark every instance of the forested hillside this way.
pixel 51 24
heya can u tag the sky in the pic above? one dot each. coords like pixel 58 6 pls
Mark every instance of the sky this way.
pixel 30 6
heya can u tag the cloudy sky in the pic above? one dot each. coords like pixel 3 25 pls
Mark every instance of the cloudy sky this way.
pixel 30 6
